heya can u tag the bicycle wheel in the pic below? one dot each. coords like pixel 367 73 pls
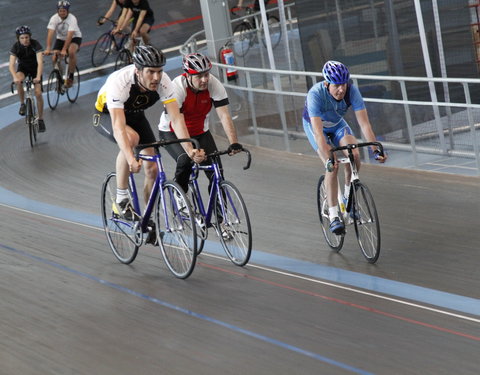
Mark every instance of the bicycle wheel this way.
pixel 202 230
pixel 102 49
pixel 243 35
pixel 275 31
pixel 233 224
pixel 54 88
pixel 335 242
pixel 72 92
pixel 124 58
pixel 367 226
pixel 176 232
pixel 30 120
pixel 122 234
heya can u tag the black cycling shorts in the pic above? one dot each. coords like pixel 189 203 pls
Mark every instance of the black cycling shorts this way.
pixel 59 43
pixel 102 122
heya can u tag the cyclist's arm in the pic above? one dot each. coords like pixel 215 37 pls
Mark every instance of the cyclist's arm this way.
pixel 119 126
pixel 227 123
pixel 109 13
pixel 181 131
pixel 367 131
pixel 123 19
pixel 11 68
pixel 67 43
pixel 38 78
pixel 323 147
pixel 139 24
pixel 48 47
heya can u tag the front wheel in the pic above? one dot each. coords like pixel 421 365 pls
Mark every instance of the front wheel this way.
pixel 54 88
pixel 176 232
pixel 72 92
pixel 30 120
pixel 102 49
pixel 124 58
pixel 122 234
pixel 335 242
pixel 202 230
pixel 233 224
pixel 367 226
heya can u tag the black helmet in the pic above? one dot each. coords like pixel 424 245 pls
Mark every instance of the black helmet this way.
pixel 24 29
pixel 196 63
pixel 148 57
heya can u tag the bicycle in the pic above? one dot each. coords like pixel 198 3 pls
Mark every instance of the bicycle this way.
pixel 56 83
pixel 31 118
pixel 107 44
pixel 359 209
pixel 226 212
pixel 173 224
pixel 246 33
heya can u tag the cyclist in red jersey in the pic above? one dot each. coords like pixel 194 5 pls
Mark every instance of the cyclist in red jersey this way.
pixel 197 91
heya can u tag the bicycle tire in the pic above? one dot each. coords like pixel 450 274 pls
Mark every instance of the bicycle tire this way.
pixel 54 88
pixel 235 222
pixel 122 235
pixel 101 49
pixel 275 31
pixel 30 121
pixel 367 226
pixel 72 92
pixel 243 35
pixel 123 59
pixel 176 231
pixel 335 242
pixel 202 230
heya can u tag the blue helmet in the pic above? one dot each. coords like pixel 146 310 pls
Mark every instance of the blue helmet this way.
pixel 63 4
pixel 335 72
pixel 20 30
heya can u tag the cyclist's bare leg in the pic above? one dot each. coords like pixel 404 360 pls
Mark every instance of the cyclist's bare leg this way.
pixel 150 174
pixel 144 33
pixel 39 96
pixel 121 166
pixel 72 57
pixel 21 93
pixel 331 183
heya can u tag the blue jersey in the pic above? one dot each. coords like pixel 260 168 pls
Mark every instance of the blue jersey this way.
pixel 320 103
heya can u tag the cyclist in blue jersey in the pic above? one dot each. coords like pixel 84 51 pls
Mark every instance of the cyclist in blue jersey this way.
pixel 326 104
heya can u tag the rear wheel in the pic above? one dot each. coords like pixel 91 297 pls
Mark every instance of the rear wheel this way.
pixel 72 92
pixel 233 224
pixel 275 31
pixel 54 88
pixel 102 49
pixel 242 38
pixel 367 226
pixel 176 232
pixel 124 58
pixel 122 234
pixel 335 242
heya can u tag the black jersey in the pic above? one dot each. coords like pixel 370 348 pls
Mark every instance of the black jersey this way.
pixel 26 55
pixel 142 5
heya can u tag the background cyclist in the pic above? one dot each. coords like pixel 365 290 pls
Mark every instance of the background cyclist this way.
pixel 113 6
pixel 142 16
pixel 197 92
pixel 69 37
pixel 120 116
pixel 323 122
pixel 27 52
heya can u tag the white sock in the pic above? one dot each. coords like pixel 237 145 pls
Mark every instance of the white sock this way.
pixel 346 191
pixel 332 213
pixel 121 195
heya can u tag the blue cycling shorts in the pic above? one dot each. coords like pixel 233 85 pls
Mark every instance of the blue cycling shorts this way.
pixel 333 134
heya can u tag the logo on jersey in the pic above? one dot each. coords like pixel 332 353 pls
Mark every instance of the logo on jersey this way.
pixel 140 101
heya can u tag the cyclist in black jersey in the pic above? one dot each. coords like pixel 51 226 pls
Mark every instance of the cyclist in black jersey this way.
pixel 27 53
pixel 113 6
pixel 142 16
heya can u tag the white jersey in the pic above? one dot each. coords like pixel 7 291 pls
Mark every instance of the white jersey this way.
pixel 121 91
pixel 62 27
pixel 195 106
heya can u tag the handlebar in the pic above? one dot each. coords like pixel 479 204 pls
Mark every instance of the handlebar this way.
pixel 28 82
pixel 158 144
pixel 105 18
pixel 350 147
pixel 224 152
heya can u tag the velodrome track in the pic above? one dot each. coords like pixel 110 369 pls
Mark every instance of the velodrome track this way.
pixel 68 307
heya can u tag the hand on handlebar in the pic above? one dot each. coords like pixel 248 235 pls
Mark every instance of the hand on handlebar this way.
pixel 379 157
pixel 197 155
pixel 135 166
pixel 234 148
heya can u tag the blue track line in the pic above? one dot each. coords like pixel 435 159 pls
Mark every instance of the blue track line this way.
pixel 191 313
